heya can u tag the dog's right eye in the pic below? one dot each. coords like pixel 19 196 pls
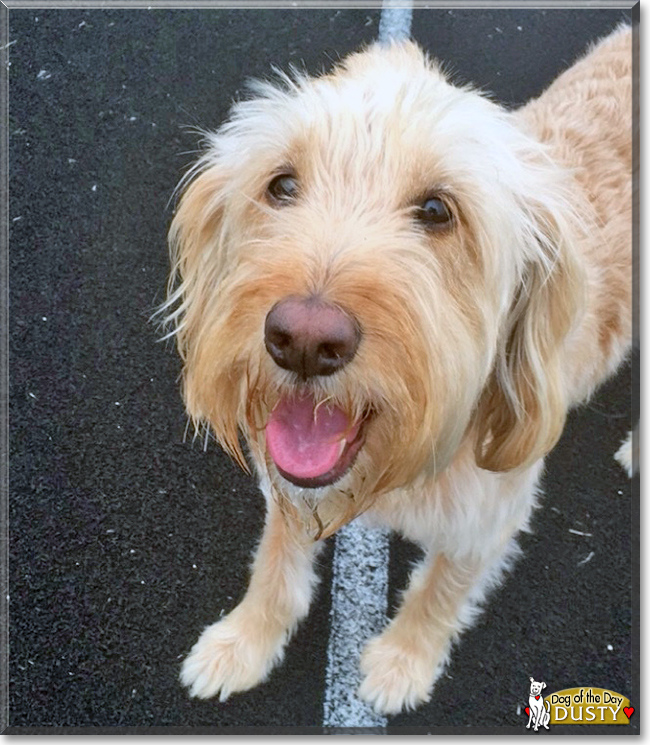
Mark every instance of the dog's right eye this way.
pixel 283 189
pixel 434 214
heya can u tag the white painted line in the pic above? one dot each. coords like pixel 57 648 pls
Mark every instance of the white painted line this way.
pixel 359 604
pixel 360 565
pixel 395 21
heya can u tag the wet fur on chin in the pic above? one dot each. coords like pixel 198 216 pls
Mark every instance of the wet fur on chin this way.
pixel 476 338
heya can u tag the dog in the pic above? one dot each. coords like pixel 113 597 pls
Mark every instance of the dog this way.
pixel 539 716
pixel 387 292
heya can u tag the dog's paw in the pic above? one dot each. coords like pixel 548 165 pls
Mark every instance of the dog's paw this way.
pixel 396 676
pixel 232 655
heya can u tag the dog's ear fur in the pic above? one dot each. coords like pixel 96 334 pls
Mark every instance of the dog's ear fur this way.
pixel 195 241
pixel 522 411
pixel 199 254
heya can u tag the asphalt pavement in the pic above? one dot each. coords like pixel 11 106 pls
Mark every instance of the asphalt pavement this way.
pixel 126 538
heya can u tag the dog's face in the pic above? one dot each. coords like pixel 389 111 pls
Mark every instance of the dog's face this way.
pixel 536 687
pixel 372 268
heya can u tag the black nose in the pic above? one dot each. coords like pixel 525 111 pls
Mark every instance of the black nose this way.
pixel 310 337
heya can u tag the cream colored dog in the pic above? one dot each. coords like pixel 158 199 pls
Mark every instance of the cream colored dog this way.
pixel 394 290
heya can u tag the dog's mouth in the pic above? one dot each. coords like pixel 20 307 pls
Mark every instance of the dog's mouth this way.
pixel 311 444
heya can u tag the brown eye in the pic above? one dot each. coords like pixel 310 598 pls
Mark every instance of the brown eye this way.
pixel 283 189
pixel 433 214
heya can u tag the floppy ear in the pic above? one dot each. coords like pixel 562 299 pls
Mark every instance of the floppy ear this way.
pixel 522 411
pixel 196 242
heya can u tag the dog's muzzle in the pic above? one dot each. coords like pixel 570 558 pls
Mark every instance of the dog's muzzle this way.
pixel 311 443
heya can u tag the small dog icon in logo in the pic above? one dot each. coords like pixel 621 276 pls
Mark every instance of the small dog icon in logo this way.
pixel 538 714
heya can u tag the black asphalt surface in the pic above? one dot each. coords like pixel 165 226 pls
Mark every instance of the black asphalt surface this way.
pixel 126 540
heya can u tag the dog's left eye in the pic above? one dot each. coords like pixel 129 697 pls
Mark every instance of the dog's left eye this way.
pixel 433 214
pixel 283 189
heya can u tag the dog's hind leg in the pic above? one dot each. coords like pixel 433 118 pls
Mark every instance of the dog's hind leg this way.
pixel 628 454
pixel 239 651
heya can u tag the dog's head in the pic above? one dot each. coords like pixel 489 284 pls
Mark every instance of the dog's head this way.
pixel 369 267
pixel 536 687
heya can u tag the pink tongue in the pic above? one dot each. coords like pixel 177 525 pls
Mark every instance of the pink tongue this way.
pixel 306 443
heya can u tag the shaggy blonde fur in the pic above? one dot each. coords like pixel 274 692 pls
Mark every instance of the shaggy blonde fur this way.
pixel 476 338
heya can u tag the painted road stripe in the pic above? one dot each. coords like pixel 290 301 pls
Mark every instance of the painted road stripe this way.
pixel 359 605
pixel 360 564
pixel 395 22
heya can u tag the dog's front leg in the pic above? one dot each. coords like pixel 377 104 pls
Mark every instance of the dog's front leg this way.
pixel 401 665
pixel 239 651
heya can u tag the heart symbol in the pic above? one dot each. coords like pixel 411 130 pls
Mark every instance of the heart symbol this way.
pixel 629 710
pixel 527 710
